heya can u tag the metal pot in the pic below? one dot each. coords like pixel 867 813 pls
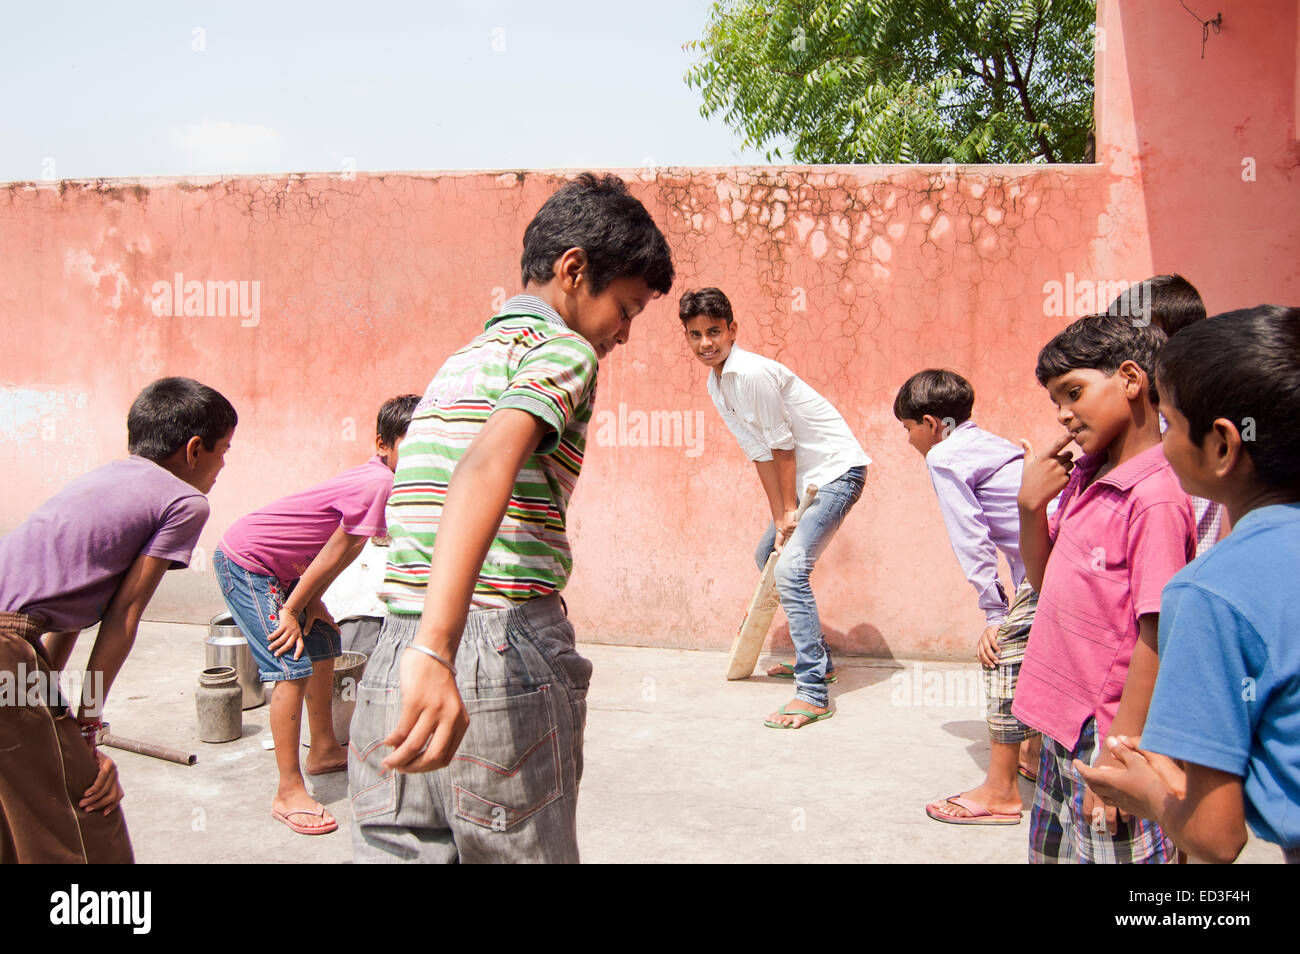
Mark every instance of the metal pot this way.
pixel 226 646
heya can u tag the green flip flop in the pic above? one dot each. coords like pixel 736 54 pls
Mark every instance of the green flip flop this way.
pixel 810 716
pixel 789 674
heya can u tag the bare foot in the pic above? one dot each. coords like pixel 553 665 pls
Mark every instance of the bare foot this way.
pixel 997 802
pixel 323 761
pixel 792 718
pixel 302 810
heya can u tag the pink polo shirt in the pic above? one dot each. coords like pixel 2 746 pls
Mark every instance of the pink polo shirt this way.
pixel 282 538
pixel 1114 546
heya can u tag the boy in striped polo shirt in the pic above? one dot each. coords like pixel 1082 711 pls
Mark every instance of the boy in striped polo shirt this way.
pixel 475 626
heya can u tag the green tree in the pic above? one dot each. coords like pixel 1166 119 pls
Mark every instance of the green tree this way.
pixel 845 81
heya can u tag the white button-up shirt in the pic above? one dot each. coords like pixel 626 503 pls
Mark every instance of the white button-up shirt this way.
pixel 767 407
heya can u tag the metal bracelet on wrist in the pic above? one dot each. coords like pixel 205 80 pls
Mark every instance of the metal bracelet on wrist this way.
pixel 432 655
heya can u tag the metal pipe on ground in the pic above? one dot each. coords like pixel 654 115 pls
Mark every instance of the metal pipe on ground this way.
pixel 150 749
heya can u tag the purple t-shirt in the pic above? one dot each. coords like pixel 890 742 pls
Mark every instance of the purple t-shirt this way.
pixel 282 538
pixel 66 560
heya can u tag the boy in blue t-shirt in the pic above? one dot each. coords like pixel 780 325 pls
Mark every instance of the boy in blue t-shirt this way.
pixel 1226 703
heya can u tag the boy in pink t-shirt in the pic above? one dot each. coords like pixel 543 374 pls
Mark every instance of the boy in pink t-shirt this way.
pixel 1123 527
pixel 273 565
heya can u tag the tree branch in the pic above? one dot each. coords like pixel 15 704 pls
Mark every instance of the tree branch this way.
pixel 1018 81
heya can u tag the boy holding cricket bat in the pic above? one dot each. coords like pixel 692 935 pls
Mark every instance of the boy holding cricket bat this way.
pixel 794 437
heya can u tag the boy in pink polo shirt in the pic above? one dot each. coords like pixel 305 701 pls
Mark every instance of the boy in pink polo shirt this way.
pixel 1124 526
pixel 273 565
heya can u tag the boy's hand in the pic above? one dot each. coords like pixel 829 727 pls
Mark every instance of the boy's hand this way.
pixel 1097 809
pixel 785 525
pixel 1044 477
pixel 433 719
pixel 287 636
pixel 105 792
pixel 1130 780
pixel 316 611
pixel 987 648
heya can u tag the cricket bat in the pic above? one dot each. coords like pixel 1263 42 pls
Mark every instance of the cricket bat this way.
pixel 748 644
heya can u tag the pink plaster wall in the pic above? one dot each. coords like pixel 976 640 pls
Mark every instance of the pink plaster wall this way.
pixel 853 276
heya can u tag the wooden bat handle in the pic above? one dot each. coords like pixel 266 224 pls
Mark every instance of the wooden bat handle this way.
pixel 809 495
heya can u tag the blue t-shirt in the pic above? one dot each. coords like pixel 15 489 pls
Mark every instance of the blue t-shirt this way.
pixel 1227 695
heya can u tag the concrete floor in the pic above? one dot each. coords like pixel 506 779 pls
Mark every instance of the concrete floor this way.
pixel 679 767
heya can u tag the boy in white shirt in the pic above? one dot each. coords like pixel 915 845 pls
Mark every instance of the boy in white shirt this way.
pixel 795 438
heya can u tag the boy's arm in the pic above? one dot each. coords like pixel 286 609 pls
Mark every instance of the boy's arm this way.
pixel 778 478
pixel 1203 814
pixel 970 537
pixel 1040 481
pixel 112 644
pixel 339 550
pixel 117 631
pixel 59 646
pixel 433 717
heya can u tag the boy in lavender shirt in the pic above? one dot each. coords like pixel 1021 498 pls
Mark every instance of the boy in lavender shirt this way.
pixel 94 553
pixel 976 476
pixel 273 565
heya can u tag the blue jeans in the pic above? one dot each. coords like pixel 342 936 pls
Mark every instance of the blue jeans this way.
pixel 794 566
pixel 510 793
pixel 255 602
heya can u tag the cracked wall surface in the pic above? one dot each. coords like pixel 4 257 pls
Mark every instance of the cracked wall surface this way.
pixel 855 277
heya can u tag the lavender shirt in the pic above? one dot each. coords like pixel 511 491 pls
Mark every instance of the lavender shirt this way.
pixel 65 562
pixel 976 476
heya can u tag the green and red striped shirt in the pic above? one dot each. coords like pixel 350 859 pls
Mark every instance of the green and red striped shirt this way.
pixel 526 358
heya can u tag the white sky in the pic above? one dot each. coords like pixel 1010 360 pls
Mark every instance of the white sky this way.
pixel 131 89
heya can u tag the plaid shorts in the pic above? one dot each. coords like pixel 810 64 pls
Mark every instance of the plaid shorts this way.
pixel 1000 683
pixel 1058 830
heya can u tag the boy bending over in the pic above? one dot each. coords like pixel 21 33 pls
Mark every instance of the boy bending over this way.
pixel 273 565
pixel 794 437
pixel 976 476
pixel 94 553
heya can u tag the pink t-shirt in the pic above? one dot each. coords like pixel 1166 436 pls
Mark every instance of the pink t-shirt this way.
pixel 282 538
pixel 1115 546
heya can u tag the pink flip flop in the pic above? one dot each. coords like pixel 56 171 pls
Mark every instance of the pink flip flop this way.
pixel 305 829
pixel 979 815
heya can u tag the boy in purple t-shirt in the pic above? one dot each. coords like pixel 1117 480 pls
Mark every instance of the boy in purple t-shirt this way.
pixel 94 553
pixel 273 565
pixel 1123 528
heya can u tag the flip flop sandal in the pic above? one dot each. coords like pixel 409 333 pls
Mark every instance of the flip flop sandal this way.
pixel 979 815
pixel 305 829
pixel 789 673
pixel 331 770
pixel 810 716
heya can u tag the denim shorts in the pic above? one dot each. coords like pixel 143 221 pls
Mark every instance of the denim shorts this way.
pixel 510 794
pixel 255 602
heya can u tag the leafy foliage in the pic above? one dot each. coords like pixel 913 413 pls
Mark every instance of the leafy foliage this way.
pixel 848 81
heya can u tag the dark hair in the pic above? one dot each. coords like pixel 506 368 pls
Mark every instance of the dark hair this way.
pixel 167 413
pixel 945 394
pixel 598 216
pixel 1101 343
pixel 395 417
pixel 1170 302
pixel 1242 365
pixel 710 302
